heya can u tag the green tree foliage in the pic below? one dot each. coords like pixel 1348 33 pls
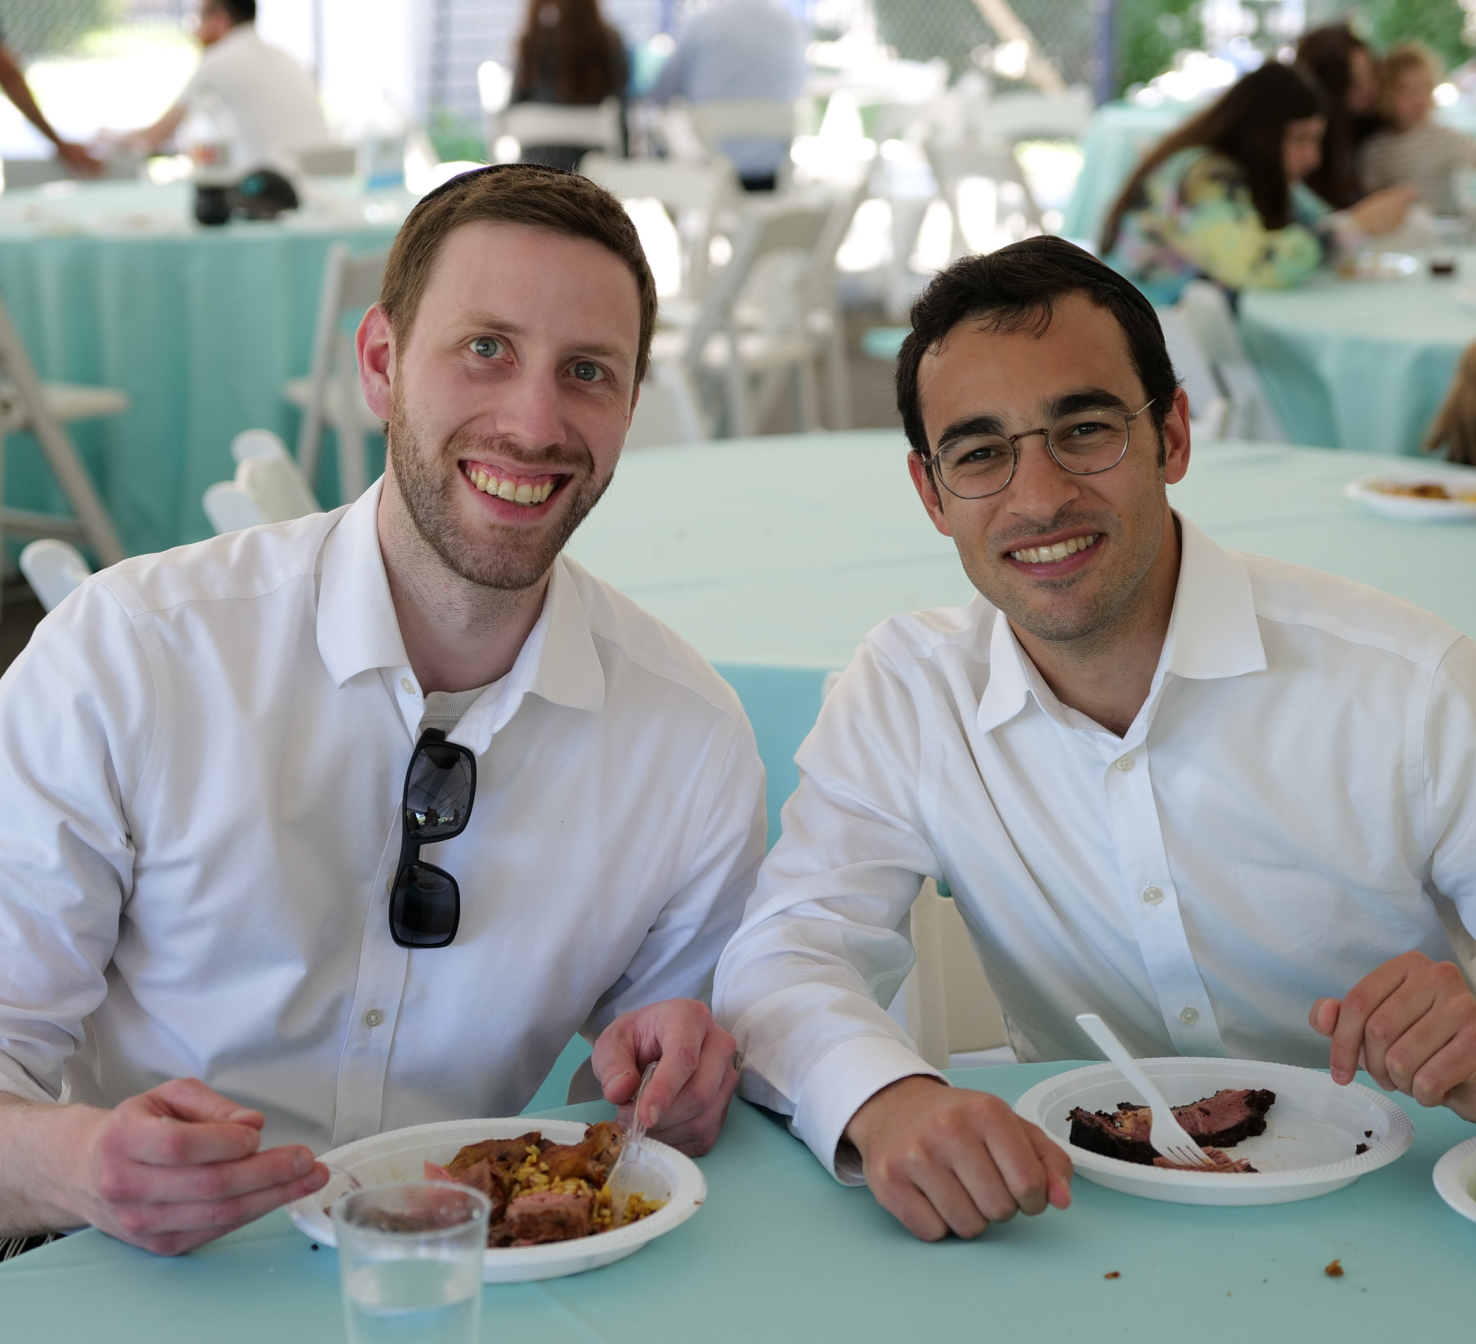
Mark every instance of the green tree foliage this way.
pixel 1148 34
pixel 43 27
pixel 1435 22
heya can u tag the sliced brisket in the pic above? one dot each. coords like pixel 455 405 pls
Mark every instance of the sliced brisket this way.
pixel 1220 1121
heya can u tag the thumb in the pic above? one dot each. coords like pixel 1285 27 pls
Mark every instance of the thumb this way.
pixel 1324 1016
pixel 615 1062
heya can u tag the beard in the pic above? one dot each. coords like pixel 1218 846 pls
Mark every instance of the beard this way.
pixel 486 552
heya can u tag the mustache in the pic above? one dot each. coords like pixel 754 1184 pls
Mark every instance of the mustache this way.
pixel 465 443
pixel 1024 531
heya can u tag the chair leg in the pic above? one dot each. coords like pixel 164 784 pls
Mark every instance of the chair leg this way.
pixel 736 384
pixel 808 397
pixel 838 379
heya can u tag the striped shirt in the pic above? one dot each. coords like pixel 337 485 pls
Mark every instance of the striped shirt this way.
pixel 1425 156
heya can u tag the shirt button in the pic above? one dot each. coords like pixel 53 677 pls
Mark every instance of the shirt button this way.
pixel 1189 1016
pixel 374 1017
pixel 1124 763
pixel 407 685
pixel 1152 895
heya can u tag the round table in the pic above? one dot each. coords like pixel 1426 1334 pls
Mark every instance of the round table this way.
pixel 114 283
pixel 1361 364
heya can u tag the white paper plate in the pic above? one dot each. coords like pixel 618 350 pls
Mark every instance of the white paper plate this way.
pixel 400 1154
pixel 1455 1179
pixel 1381 266
pixel 1307 1149
pixel 1411 507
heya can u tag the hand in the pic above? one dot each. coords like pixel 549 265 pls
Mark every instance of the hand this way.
pixel 688 1098
pixel 1412 1024
pixel 1383 211
pixel 943 1159
pixel 78 159
pixel 175 1167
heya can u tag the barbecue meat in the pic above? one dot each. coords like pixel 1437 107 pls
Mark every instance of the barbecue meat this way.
pixel 497 1151
pixel 1220 1121
pixel 1224 1163
pixel 589 1160
pixel 547 1215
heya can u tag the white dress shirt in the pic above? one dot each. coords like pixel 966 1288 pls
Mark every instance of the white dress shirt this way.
pixel 1291 807
pixel 202 756
pixel 270 101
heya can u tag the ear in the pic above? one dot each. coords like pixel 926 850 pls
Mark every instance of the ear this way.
pixel 922 483
pixel 1176 439
pixel 374 344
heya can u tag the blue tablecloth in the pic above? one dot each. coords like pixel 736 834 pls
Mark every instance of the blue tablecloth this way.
pixel 114 283
pixel 780 1253
pixel 1361 364
pixel 775 556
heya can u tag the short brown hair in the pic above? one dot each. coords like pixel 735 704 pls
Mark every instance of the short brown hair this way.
pixel 1402 59
pixel 513 193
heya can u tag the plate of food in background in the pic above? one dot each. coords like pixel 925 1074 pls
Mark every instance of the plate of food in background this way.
pixel 1455 1178
pixel 1378 266
pixel 1423 498
pixel 1283 1133
pixel 546 1178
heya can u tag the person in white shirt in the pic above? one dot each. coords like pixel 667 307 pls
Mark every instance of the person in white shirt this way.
pixel 220 929
pixel 1223 801
pixel 267 103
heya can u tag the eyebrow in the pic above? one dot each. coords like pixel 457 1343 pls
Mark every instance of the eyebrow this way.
pixel 1068 403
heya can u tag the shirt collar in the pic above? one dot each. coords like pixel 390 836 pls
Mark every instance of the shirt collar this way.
pixel 358 631
pixel 1213 632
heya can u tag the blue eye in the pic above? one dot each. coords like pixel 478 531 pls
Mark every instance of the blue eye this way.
pixel 587 371
pixel 489 347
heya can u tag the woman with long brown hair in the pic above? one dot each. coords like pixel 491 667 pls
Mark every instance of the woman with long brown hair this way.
pixel 1222 196
pixel 1346 71
pixel 567 54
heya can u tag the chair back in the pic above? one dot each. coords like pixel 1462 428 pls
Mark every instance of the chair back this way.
pixel 1016 214
pixel 351 283
pixel 327 160
pixel 532 124
pixel 230 508
pixel 277 487
pixel 718 121
pixel 1207 402
pixel 53 569
pixel 1206 313
pixel 668 410
pixel 1013 117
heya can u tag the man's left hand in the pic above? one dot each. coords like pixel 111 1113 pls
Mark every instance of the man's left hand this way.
pixel 689 1093
pixel 1412 1024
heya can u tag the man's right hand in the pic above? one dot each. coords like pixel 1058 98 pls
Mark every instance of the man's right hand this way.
pixel 167 1170
pixel 943 1159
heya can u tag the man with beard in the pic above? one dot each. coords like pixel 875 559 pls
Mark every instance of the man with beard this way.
pixel 323 829
pixel 1220 800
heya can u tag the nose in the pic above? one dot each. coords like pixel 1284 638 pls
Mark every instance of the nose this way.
pixel 528 410
pixel 1041 486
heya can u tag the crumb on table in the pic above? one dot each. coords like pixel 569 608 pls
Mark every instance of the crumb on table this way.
pixel 1334 1270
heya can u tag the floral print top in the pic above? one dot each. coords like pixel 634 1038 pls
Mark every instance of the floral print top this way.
pixel 1194 218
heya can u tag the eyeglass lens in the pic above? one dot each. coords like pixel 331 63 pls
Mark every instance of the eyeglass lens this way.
pixel 425 907
pixel 1083 443
pixel 438 793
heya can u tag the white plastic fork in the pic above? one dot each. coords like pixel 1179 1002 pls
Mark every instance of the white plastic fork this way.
pixel 621 1182
pixel 1166 1135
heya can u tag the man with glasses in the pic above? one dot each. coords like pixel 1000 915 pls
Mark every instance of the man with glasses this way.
pixel 1222 801
pixel 324 829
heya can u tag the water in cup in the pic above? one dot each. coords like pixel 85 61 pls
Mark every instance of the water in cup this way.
pixel 429 1301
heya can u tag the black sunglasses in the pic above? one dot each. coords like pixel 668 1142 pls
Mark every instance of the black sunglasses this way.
pixel 425 902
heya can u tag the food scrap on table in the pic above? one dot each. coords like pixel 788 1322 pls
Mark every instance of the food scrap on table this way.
pixel 1216 1122
pixel 1334 1270
pixel 1115 1274
pixel 542 1191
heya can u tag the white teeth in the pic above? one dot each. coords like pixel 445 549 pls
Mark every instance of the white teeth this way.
pixel 1047 555
pixel 510 490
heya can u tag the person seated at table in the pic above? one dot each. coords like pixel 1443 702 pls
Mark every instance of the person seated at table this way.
pixel 13 82
pixel 567 54
pixel 1221 197
pixel 222 947
pixel 739 51
pixel 1221 800
pixel 1344 68
pixel 1454 426
pixel 1413 148
pixel 269 102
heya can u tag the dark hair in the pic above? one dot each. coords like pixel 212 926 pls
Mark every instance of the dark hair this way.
pixel 1326 54
pixel 1016 289
pixel 577 58
pixel 237 11
pixel 1247 124
pixel 513 193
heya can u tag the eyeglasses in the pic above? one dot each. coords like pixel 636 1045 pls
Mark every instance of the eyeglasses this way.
pixel 425 902
pixel 1083 443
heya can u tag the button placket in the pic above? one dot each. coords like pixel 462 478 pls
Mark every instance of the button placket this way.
pixel 1154 907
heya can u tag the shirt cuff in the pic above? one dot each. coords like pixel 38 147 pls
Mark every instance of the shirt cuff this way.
pixel 839 1085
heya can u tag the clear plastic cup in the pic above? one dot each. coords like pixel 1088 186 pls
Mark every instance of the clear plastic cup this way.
pixel 410 1258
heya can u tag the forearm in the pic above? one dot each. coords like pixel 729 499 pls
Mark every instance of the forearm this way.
pixel 34 1194
pixel 19 93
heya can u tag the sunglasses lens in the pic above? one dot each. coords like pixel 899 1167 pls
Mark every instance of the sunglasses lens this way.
pixel 425 907
pixel 438 795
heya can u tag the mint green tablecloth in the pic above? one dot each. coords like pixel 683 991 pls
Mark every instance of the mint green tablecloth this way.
pixel 115 284
pixel 781 1254
pixel 775 556
pixel 1360 364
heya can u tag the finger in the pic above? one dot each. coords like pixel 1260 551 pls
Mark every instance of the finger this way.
pixel 1356 1007
pixel 1447 1071
pixel 910 1207
pixel 1022 1177
pixel 1057 1163
pixel 680 1037
pixel 1324 1016
pixel 1390 1023
pixel 705 1089
pixel 615 1061
pixel 215 1217
pixel 142 1183
pixel 189 1099
pixel 954 1203
pixel 697 1135
pixel 138 1136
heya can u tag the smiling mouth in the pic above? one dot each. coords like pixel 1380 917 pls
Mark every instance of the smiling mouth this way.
pixel 1053 555
pixel 529 492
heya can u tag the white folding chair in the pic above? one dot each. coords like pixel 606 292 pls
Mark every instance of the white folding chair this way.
pixel 269 487
pixel 668 411
pixel 327 160
pixel 1206 313
pixel 536 124
pixel 1014 214
pixel 331 394
pixel 1209 407
pixel 44 409
pixel 718 123
pixel 53 569
pixel 1013 117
